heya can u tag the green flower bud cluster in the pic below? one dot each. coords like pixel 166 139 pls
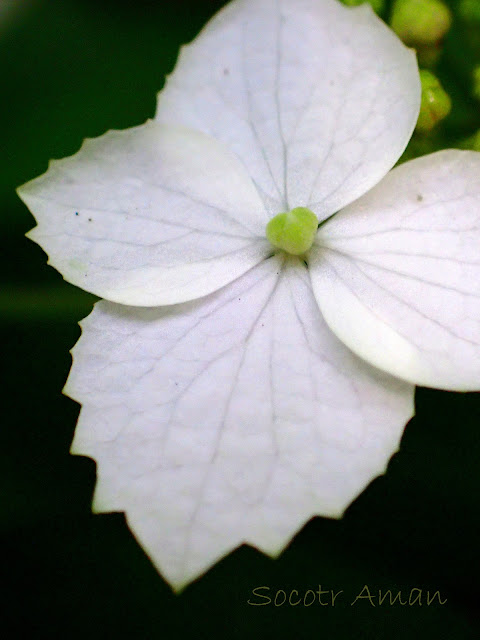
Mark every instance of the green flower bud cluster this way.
pixel 435 105
pixel 422 24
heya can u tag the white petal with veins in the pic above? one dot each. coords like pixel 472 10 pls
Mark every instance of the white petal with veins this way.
pixel 397 274
pixel 230 419
pixel 316 99
pixel 148 216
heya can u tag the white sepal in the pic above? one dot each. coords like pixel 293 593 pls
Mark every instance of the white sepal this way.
pixel 228 420
pixel 148 216
pixel 317 100
pixel 397 274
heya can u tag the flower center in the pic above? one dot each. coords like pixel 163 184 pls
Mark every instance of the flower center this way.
pixel 294 231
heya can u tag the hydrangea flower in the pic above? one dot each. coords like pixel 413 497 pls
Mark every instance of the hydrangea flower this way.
pixel 246 370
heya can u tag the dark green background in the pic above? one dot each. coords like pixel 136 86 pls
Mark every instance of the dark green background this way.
pixel 71 69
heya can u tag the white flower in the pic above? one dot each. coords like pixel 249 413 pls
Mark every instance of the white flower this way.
pixel 222 392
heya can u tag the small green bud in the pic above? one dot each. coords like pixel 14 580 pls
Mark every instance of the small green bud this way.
pixel 436 103
pixel 377 5
pixel 420 22
pixel 294 231
pixel 469 10
pixel 476 83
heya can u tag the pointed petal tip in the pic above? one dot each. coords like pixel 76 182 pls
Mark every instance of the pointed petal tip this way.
pixel 98 506
pixel 179 586
pixel 65 390
pixel 31 233
pixel 20 189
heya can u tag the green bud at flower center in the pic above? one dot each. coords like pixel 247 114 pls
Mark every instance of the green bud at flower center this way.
pixel 294 231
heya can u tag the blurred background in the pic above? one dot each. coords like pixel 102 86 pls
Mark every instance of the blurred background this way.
pixel 71 69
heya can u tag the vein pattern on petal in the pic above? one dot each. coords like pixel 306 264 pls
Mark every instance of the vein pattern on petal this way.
pixel 148 216
pixel 232 419
pixel 397 274
pixel 317 100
